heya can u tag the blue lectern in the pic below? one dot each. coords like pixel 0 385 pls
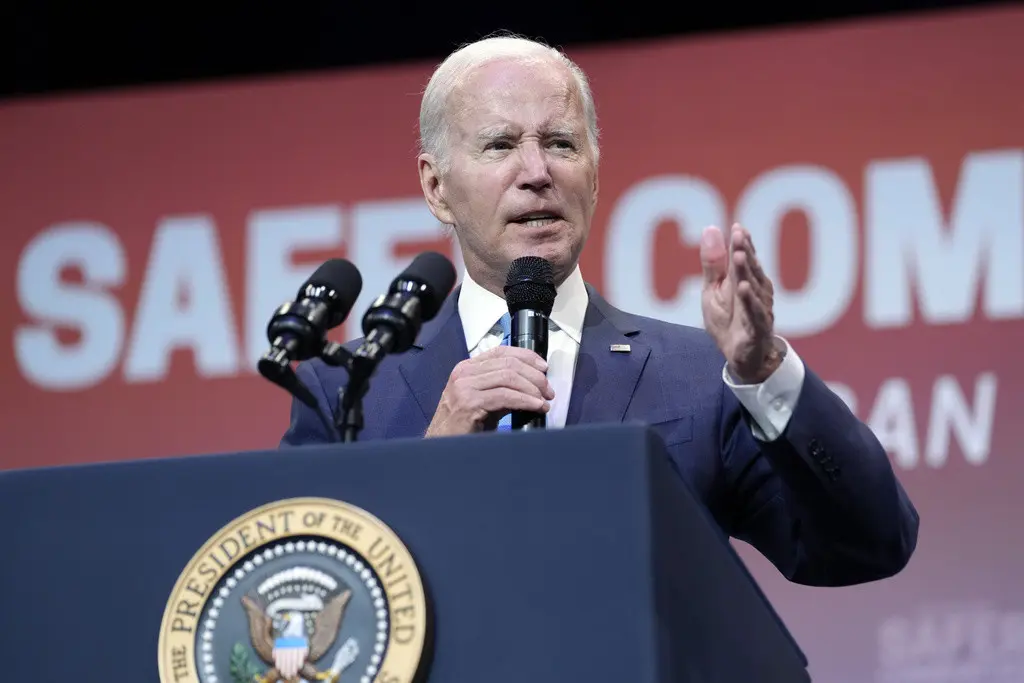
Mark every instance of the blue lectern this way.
pixel 550 556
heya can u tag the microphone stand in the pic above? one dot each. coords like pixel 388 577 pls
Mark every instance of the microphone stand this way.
pixel 348 418
pixel 276 367
pixel 360 365
pixel 393 322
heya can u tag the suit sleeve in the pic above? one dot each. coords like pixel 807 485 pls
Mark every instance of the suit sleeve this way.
pixel 821 501
pixel 306 425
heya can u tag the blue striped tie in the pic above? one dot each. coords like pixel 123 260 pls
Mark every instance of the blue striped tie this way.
pixel 505 424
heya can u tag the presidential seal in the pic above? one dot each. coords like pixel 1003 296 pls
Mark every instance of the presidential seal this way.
pixel 297 591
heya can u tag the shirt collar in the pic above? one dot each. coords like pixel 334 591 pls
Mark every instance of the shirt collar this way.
pixel 480 309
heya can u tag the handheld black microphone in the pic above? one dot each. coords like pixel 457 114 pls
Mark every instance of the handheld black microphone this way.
pixel 530 295
pixel 298 329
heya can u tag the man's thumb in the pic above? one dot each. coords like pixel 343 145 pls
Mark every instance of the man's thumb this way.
pixel 713 255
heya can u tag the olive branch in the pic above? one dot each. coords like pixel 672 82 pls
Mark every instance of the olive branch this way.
pixel 243 669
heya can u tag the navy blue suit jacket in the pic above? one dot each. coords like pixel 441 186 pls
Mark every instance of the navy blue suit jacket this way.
pixel 821 502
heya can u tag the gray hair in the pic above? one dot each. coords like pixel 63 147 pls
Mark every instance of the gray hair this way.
pixel 434 127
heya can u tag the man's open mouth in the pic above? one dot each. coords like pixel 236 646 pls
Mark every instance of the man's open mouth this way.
pixel 537 219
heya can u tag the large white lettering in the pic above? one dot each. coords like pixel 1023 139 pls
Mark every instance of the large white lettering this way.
pixel 957 642
pixel 912 251
pixel 273 235
pixel 832 218
pixel 951 416
pixel 909 243
pixel 692 204
pixel 94 250
pixel 951 420
pixel 909 246
pixel 184 303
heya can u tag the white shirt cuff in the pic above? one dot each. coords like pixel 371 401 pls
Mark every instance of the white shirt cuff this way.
pixel 771 403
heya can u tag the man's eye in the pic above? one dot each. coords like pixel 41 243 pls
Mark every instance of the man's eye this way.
pixel 500 145
pixel 563 144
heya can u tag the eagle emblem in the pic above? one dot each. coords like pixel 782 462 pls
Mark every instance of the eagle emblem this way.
pixel 300 601
pixel 283 640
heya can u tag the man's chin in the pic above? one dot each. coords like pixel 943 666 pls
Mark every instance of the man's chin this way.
pixel 559 256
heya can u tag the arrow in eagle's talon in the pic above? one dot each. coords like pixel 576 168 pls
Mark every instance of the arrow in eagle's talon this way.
pixel 347 654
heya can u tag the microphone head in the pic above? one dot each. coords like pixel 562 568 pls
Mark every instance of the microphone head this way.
pixel 530 284
pixel 435 275
pixel 337 282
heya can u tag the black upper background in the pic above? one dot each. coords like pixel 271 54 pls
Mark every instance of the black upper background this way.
pixel 62 46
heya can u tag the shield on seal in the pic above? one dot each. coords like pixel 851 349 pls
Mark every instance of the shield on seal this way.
pixel 292 647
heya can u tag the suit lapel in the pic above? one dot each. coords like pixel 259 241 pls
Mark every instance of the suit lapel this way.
pixel 605 380
pixel 439 347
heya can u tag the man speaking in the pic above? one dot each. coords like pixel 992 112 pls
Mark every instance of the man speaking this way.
pixel 510 161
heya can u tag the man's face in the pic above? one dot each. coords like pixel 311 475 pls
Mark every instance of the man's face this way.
pixel 521 177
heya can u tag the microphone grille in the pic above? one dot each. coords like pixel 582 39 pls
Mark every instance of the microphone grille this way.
pixel 530 284
pixel 437 274
pixel 336 273
pixel 339 283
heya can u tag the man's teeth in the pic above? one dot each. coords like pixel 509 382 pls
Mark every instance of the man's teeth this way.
pixel 538 222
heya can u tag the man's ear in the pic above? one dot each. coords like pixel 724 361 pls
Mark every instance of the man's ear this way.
pixel 433 188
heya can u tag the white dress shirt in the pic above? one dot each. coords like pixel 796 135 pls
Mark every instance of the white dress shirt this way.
pixel 769 403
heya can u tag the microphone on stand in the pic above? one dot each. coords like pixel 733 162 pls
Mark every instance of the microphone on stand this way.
pixel 414 297
pixel 390 326
pixel 298 329
pixel 530 296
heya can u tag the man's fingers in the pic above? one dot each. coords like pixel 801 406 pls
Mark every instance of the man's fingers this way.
pixel 746 243
pixel 714 257
pixel 508 369
pixel 503 400
pixel 489 385
pixel 742 241
pixel 523 379
pixel 493 383
pixel 500 353
pixel 741 238
pixel 758 314
pixel 747 267
pixel 509 356
pixel 743 273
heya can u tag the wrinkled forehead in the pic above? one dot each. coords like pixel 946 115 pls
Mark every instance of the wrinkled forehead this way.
pixel 522 95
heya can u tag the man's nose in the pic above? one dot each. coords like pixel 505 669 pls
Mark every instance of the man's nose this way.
pixel 534 174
